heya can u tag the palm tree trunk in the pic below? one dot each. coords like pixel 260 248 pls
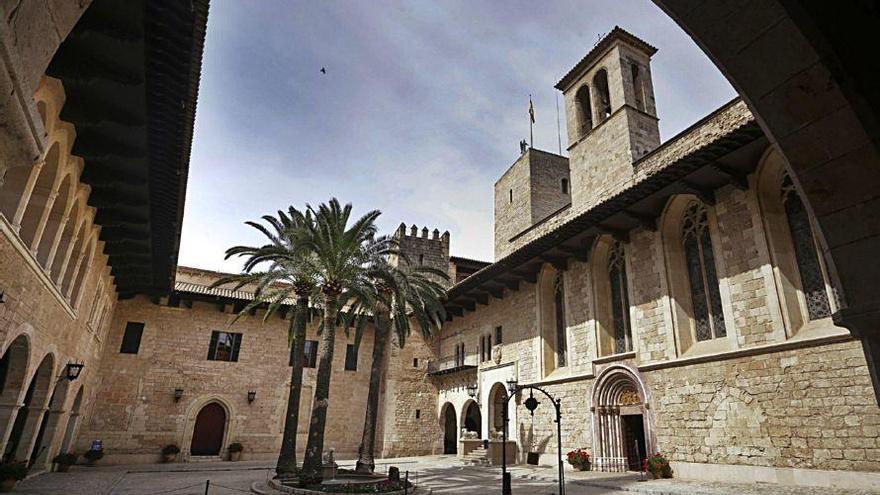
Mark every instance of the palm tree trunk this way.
pixel 365 463
pixel 287 457
pixel 315 445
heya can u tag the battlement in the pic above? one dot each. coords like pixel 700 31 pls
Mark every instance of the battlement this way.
pixel 402 236
pixel 422 248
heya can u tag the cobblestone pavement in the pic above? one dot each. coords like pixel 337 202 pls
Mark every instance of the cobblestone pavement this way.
pixel 442 474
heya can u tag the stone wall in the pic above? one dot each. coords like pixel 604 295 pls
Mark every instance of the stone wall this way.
pixel 513 209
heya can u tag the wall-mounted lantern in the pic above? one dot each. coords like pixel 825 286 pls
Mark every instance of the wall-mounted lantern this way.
pixel 73 370
pixel 178 393
pixel 252 396
pixel 472 390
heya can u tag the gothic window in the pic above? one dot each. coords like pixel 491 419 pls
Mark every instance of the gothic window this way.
pixel 559 306
pixel 806 254
pixel 619 299
pixel 700 261
pixel 603 97
pixel 638 90
pixel 584 109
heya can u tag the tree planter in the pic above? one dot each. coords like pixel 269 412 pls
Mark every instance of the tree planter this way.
pixel 7 485
pixel 235 456
pixel 584 467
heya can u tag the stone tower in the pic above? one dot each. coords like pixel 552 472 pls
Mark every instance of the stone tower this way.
pixel 535 187
pixel 611 116
pixel 422 248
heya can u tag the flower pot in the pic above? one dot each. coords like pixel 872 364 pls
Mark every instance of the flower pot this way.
pixel 584 467
pixel 63 468
pixel 7 485
pixel 532 458
pixel 169 457
pixel 235 456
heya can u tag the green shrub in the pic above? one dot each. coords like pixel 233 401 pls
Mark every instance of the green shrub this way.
pixel 235 447
pixel 170 449
pixel 93 455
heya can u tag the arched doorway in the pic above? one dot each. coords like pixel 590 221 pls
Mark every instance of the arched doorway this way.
pixel 473 419
pixel 207 438
pixel 497 399
pixel 72 421
pixel 450 430
pixel 13 371
pixel 29 420
pixel 622 427
pixel 49 427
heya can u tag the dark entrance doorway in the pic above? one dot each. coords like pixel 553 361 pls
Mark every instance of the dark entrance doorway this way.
pixel 473 420
pixel 634 440
pixel 450 431
pixel 208 431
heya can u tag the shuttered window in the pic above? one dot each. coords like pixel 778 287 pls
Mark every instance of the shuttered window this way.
pixel 224 346
pixel 131 339
pixel 310 354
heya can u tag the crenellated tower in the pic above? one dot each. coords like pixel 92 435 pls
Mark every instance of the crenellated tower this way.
pixel 423 248
pixel 611 116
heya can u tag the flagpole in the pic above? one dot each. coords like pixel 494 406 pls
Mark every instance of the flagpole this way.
pixel 558 131
pixel 531 124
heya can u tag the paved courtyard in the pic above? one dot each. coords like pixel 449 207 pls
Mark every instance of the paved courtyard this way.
pixel 440 474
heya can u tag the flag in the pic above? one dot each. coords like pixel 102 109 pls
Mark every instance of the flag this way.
pixel 531 110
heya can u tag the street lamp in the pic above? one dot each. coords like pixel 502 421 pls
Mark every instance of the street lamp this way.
pixel 472 390
pixel 178 393
pixel 73 370
pixel 511 386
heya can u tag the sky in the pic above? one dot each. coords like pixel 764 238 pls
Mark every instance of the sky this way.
pixel 421 109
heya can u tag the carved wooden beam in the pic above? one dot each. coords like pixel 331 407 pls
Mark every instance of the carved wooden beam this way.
pixel 706 195
pixel 649 222
pixel 737 178
pixel 620 235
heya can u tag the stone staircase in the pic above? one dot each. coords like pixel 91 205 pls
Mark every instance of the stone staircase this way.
pixel 476 457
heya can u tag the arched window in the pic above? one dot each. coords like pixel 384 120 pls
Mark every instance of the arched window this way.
pixel 603 97
pixel 806 253
pixel 700 262
pixel 510 196
pixel 638 88
pixel 559 309
pixel 584 109
pixel 619 299
pixel 563 184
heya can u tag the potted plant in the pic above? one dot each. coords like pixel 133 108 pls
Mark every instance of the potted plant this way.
pixel 64 460
pixel 169 452
pixel 93 455
pixel 11 473
pixel 659 466
pixel 235 450
pixel 579 459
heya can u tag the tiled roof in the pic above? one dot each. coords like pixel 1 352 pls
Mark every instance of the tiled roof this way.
pixel 616 34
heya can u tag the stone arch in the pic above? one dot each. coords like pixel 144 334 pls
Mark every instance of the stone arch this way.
pixel 672 230
pixel 497 399
pixel 449 427
pixel 602 96
pixel 736 428
pixel 622 418
pixel 770 184
pixel 55 219
pixel 72 421
pixel 67 238
pixel 14 367
pixel 82 269
pixel 192 414
pixel 66 279
pixel 605 251
pixel 471 417
pixel 50 425
pixel 40 199
pixel 27 423
pixel 552 319
pixel 584 109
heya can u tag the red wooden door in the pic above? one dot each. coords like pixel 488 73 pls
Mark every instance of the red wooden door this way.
pixel 208 432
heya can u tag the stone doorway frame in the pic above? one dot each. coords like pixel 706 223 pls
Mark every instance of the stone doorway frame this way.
pixel 610 399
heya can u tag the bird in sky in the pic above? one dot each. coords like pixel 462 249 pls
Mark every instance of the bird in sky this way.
pixel 323 70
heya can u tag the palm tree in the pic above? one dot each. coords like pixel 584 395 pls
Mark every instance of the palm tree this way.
pixel 397 296
pixel 279 269
pixel 341 257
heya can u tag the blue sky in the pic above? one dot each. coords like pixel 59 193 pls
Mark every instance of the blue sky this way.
pixel 420 111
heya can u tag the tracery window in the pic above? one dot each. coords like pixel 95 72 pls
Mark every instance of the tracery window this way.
pixel 559 305
pixel 619 299
pixel 806 252
pixel 700 261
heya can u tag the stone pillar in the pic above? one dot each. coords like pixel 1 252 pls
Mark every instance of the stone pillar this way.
pixel 29 432
pixel 43 462
pixel 44 220
pixel 26 194
pixel 8 413
pixel 56 241
pixel 67 256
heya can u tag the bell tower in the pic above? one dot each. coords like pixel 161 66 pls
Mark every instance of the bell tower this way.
pixel 611 115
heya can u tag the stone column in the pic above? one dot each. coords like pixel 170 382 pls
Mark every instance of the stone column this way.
pixel 26 194
pixel 59 280
pixel 8 413
pixel 44 220
pixel 43 461
pixel 29 432
pixel 56 241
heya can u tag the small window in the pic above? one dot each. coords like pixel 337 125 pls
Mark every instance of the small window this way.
pixel 351 358
pixel 421 259
pixel 310 354
pixel 224 346
pixel 564 185
pixel 510 195
pixel 415 362
pixel 499 335
pixel 131 340
pixel 418 413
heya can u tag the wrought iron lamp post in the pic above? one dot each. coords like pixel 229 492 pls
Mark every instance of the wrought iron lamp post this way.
pixel 531 404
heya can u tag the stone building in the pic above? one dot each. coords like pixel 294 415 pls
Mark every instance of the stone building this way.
pixel 675 296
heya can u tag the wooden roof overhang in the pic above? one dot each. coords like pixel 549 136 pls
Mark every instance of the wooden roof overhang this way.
pixel 452 371
pixel 131 72
pixel 726 160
